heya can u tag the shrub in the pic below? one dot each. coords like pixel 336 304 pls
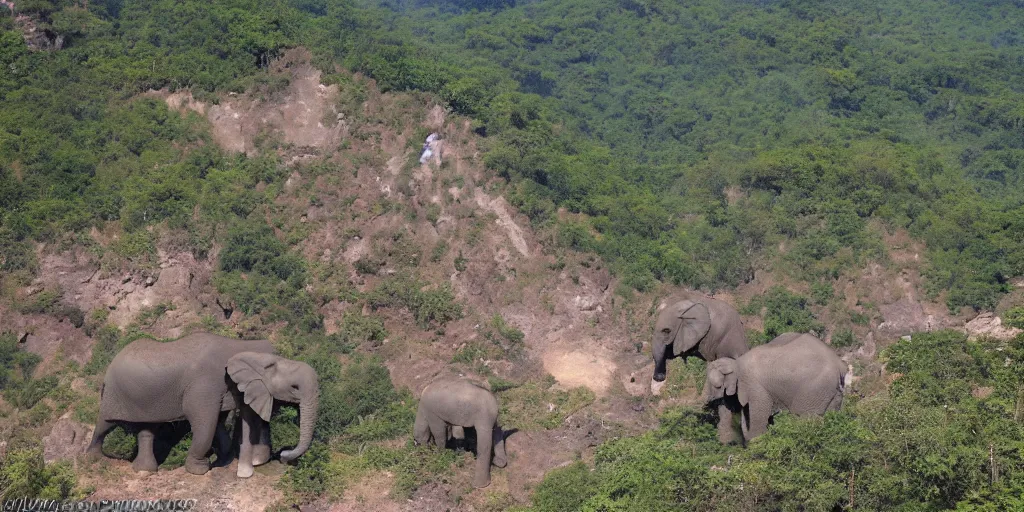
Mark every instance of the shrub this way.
pixel 785 312
pixel 1014 317
pixel 428 306
pixel 844 338
pixel 24 474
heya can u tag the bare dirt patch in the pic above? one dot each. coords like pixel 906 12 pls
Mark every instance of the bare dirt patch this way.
pixel 574 368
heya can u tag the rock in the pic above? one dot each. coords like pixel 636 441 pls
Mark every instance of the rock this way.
pixel 988 325
pixel 868 348
pixel 67 439
pixel 150 281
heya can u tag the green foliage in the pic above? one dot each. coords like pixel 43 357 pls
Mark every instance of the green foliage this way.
pixel 844 338
pixel 564 489
pixel 1014 317
pixel 742 128
pixel 357 400
pixel 120 444
pixel 24 474
pixel 428 306
pixel 528 407
pixel 785 312
pixel 355 329
pixel 931 444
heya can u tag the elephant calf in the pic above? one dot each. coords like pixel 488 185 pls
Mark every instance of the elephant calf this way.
pixel 451 404
pixel 794 372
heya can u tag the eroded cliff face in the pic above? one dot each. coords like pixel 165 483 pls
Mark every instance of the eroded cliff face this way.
pixel 344 168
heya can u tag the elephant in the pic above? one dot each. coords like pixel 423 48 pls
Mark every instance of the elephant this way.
pixel 698 326
pixel 199 378
pixel 449 405
pixel 795 372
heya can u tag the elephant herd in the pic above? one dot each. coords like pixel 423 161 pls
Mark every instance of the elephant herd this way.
pixel 202 377
pixel 794 372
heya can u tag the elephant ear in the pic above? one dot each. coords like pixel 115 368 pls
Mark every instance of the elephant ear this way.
pixel 694 324
pixel 721 379
pixel 250 370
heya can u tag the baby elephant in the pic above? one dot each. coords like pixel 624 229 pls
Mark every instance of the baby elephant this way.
pixel 794 372
pixel 450 404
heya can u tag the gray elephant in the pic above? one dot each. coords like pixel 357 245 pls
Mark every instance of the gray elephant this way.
pixel 794 372
pixel 694 325
pixel 198 378
pixel 448 405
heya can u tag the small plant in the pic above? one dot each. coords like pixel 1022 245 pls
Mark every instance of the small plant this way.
pixel 460 262
pixel 844 338
pixel 1014 317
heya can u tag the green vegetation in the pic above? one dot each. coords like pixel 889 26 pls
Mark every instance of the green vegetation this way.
pixel 784 311
pixel 701 141
pixel 23 474
pixel 933 444
pixel 535 406
pixel 698 137
pixel 428 305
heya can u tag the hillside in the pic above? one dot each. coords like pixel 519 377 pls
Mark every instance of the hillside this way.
pixel 235 175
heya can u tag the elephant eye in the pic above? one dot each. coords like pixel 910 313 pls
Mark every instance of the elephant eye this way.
pixel 666 330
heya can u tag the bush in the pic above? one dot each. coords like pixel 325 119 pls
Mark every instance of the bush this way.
pixel 844 338
pixel 428 306
pixel 1014 317
pixel 24 474
pixel 785 311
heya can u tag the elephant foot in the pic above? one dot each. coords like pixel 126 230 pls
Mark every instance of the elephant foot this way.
pixel 481 483
pixel 197 467
pixel 728 438
pixel 140 464
pixel 94 452
pixel 244 470
pixel 260 455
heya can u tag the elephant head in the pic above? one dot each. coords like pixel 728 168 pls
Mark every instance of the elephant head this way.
pixel 722 379
pixel 262 378
pixel 680 327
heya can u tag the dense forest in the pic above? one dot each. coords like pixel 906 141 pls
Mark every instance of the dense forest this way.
pixel 700 141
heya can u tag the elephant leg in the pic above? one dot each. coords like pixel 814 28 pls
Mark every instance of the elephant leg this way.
pixel 726 432
pixel 204 427
pixel 103 428
pixel 145 460
pixel 500 456
pixel 262 450
pixel 482 478
pixel 438 430
pixel 755 419
pixel 223 449
pixel 250 436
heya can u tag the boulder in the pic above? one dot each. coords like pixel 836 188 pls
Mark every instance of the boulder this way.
pixel 67 439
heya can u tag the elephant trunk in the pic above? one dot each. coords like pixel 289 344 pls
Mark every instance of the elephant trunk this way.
pixel 307 414
pixel 659 350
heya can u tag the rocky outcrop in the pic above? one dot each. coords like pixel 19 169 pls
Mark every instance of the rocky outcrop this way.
pixel 988 325
pixel 67 439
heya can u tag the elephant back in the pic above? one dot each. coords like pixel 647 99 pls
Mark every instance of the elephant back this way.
pixel 147 379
